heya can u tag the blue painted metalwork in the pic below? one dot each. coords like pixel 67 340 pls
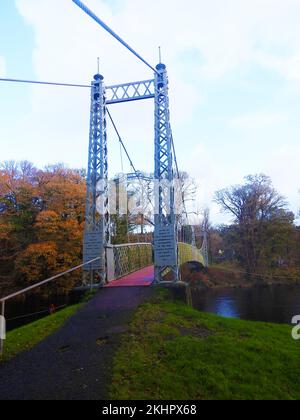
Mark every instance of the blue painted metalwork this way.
pixel 111 32
pixel 128 92
pixel 165 220
pixel 36 82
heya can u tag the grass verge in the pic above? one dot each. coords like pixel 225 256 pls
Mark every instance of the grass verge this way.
pixel 26 337
pixel 173 352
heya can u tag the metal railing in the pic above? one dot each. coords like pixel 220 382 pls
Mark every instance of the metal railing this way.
pixel 128 258
pixel 188 253
pixel 33 287
pixel 121 261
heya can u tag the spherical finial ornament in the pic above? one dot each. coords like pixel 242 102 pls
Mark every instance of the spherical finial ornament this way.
pixel 161 67
pixel 98 77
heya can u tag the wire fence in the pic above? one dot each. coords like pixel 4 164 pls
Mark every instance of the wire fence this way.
pixel 41 297
pixel 45 311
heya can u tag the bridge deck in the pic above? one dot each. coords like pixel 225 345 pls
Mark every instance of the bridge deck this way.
pixel 144 277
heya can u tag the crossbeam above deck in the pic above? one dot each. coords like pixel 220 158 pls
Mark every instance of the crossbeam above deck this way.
pixel 127 92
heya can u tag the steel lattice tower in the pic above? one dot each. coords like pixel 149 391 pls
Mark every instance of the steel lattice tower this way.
pixel 97 226
pixel 165 235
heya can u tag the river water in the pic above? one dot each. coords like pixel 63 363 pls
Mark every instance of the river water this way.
pixel 278 304
pixel 24 310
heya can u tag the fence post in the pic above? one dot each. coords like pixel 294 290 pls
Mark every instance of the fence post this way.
pixel 2 333
pixel 110 258
pixel 140 256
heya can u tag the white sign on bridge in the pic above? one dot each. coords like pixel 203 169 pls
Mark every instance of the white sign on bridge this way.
pixel 164 246
pixel 92 249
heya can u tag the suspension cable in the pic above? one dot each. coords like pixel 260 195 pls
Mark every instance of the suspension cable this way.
pixel 178 175
pixel 121 141
pixel 111 32
pixel 35 82
pixel 121 157
pixel 127 153
pixel 175 157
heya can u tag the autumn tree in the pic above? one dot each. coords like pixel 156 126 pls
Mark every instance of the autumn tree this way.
pixel 41 220
pixel 263 229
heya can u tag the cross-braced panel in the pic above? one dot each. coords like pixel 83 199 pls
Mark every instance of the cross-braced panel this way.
pixel 128 92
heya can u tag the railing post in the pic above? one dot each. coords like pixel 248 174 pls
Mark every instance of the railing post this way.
pixel 140 255
pixel 2 327
pixel 110 258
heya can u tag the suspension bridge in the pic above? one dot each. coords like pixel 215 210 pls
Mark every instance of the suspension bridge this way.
pixel 139 264
pixel 169 253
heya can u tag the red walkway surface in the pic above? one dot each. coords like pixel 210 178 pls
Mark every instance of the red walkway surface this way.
pixel 144 277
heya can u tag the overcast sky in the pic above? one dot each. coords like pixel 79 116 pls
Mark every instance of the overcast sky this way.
pixel 234 69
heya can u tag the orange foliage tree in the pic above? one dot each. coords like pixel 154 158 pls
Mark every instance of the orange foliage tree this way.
pixel 41 220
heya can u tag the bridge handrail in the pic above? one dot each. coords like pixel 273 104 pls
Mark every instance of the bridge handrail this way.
pixel 129 244
pixel 42 283
pixel 49 280
pixel 121 261
pixel 35 286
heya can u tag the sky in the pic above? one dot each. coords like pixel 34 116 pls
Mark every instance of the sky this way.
pixel 234 71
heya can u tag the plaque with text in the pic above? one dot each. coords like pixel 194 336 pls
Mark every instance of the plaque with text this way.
pixel 164 246
pixel 92 249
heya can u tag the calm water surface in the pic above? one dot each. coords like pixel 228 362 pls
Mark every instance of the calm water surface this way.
pixel 277 304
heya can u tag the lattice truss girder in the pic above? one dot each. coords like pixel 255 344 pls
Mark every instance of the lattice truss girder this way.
pixel 128 92
pixel 163 148
pixel 97 178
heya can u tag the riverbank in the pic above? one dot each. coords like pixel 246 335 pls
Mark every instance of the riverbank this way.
pixel 28 336
pixel 172 351
pixel 228 276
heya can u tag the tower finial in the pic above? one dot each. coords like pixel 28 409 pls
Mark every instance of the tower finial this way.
pixel 159 49
pixel 98 65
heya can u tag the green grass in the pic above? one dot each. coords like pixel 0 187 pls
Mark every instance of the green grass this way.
pixel 172 351
pixel 26 337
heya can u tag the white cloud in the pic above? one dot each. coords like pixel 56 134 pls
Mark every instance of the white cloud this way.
pixel 224 35
pixel 210 176
pixel 283 168
pixel 2 67
pixel 259 120
pixel 67 45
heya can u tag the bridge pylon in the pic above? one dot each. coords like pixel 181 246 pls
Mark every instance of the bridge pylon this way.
pixel 165 232
pixel 97 223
